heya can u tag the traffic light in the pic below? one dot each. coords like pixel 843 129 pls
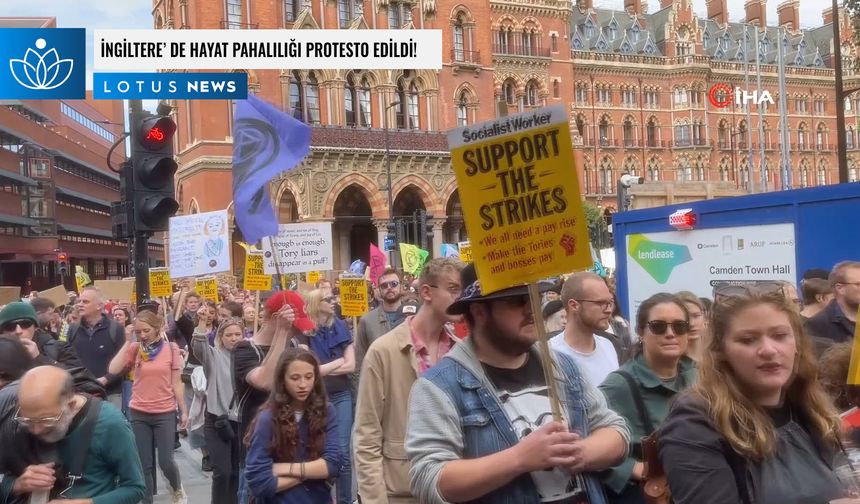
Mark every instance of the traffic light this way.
pixel 425 222
pixel 63 264
pixel 152 189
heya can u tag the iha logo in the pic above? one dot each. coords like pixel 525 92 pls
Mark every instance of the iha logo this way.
pixel 41 71
pixel 721 95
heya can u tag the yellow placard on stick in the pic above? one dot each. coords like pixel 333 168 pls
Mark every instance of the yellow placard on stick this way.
pixel 854 366
pixel 207 287
pixel 353 296
pixel 313 277
pixel 465 251
pixel 159 283
pixel 133 289
pixel 524 212
pixel 255 278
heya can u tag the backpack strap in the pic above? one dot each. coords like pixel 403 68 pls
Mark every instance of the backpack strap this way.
pixel 637 400
pixel 88 426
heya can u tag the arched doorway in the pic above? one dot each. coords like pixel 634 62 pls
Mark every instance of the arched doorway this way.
pixel 455 225
pixel 353 230
pixel 288 208
pixel 407 204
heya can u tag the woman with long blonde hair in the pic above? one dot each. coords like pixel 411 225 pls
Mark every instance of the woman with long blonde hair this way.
pixel 757 426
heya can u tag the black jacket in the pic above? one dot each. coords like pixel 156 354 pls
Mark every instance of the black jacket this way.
pixel 96 350
pixel 61 354
pixel 831 324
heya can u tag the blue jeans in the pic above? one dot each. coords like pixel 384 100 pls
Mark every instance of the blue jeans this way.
pixel 244 491
pixel 126 396
pixel 343 408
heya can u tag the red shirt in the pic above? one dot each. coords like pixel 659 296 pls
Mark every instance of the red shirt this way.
pixel 446 341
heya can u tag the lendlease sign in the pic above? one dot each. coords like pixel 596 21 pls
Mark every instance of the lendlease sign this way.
pixel 721 95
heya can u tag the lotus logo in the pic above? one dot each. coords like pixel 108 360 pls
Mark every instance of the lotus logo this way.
pixel 41 70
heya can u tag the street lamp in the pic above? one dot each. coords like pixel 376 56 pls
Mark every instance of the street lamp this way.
pixel 388 171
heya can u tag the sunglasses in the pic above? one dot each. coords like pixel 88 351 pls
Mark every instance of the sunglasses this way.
pixel 10 326
pixel 659 327
pixel 390 285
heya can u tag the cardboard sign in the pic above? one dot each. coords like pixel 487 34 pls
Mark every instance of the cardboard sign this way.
pixel 199 244
pixel 255 279
pixel 524 212
pixel 58 295
pixel 208 288
pixel 9 295
pixel 133 289
pixel 353 296
pixel 313 277
pixel 465 251
pixel 301 247
pixel 159 283
pixel 120 290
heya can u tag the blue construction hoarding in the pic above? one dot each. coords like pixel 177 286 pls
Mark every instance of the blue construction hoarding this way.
pixel 769 236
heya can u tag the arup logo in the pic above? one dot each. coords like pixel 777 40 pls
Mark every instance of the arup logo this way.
pixel 32 68
pixel 721 95
pixel 656 258
pixel 41 71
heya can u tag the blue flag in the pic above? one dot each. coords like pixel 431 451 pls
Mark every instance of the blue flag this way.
pixel 449 250
pixel 266 143
pixel 357 267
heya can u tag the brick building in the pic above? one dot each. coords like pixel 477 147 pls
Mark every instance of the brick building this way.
pixel 641 103
pixel 56 187
pixel 635 85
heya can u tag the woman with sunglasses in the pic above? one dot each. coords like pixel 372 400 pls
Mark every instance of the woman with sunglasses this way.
pixel 333 345
pixel 156 391
pixel 757 426
pixel 293 447
pixel 641 389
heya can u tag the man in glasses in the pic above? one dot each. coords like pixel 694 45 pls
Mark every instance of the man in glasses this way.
pixel 391 366
pixel 101 469
pixel 589 304
pixel 836 322
pixel 480 424
pixel 383 318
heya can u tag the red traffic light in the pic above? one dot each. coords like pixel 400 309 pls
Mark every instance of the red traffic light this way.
pixel 157 132
pixel 62 257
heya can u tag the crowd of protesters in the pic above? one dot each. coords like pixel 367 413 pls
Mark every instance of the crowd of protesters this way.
pixel 437 394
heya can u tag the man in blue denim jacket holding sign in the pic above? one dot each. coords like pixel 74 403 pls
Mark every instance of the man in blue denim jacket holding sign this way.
pixel 480 425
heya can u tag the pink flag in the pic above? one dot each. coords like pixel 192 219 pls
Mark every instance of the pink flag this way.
pixel 377 263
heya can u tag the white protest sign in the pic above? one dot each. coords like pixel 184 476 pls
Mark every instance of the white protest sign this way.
pixel 698 260
pixel 300 247
pixel 199 244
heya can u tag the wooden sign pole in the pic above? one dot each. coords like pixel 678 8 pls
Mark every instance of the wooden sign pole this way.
pixel 256 311
pixel 281 279
pixel 547 361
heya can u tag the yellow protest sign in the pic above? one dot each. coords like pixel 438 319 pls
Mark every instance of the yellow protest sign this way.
pixel 465 251
pixel 353 296
pixel 854 363
pixel 255 278
pixel 159 283
pixel 313 277
pixel 208 288
pixel 524 212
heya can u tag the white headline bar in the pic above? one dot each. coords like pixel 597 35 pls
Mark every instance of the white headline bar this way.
pixel 266 49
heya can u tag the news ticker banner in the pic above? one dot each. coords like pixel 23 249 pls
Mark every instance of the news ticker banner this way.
pixel 51 63
pixel 266 49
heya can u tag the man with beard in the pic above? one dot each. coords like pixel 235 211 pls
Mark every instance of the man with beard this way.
pixel 480 426
pixel 836 322
pixel 391 366
pixel 588 303
pixel 93 442
pixel 384 318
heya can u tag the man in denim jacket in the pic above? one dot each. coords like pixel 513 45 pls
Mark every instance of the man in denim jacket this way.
pixel 480 425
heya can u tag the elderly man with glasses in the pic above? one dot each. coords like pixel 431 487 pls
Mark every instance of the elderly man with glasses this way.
pixel 90 438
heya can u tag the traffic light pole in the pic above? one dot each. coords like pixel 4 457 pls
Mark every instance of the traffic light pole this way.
pixel 141 267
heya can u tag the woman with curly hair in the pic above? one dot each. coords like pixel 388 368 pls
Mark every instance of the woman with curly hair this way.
pixel 293 448
pixel 757 426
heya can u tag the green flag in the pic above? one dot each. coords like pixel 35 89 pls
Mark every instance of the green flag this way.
pixel 413 258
